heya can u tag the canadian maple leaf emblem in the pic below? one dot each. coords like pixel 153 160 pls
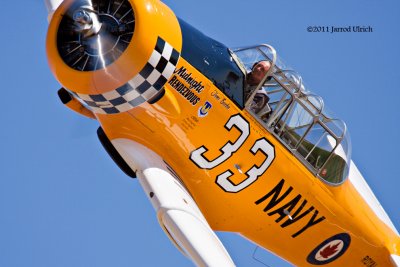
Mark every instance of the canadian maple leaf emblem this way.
pixel 329 251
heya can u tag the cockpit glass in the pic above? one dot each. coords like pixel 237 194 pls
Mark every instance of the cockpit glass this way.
pixel 297 117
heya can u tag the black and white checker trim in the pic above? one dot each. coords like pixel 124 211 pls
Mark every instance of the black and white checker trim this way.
pixel 143 87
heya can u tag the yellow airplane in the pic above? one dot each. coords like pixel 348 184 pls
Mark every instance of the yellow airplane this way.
pixel 277 168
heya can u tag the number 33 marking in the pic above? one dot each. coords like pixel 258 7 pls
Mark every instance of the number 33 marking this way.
pixel 262 145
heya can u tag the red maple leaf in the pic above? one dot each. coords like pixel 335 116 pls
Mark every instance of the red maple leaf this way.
pixel 329 251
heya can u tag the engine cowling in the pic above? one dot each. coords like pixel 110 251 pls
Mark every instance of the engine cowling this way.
pixel 113 55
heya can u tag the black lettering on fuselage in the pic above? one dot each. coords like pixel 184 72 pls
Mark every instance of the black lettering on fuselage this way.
pixel 287 207
pixel 310 223
pixel 193 84
pixel 183 90
pixel 278 204
pixel 274 193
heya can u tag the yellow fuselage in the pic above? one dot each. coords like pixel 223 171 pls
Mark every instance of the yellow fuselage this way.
pixel 173 129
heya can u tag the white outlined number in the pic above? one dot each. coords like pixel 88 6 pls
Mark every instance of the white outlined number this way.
pixel 228 149
pixel 261 145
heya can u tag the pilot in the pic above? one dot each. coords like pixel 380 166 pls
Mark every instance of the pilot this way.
pixel 260 100
pixel 258 72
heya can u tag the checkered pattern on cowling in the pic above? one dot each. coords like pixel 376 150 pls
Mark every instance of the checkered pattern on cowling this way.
pixel 143 87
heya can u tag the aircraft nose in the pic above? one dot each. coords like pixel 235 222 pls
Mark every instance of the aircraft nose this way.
pixel 89 39
pixel 114 55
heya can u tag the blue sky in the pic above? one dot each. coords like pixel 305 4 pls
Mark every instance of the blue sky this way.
pixel 63 202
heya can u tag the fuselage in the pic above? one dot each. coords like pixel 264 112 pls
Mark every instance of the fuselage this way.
pixel 173 129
